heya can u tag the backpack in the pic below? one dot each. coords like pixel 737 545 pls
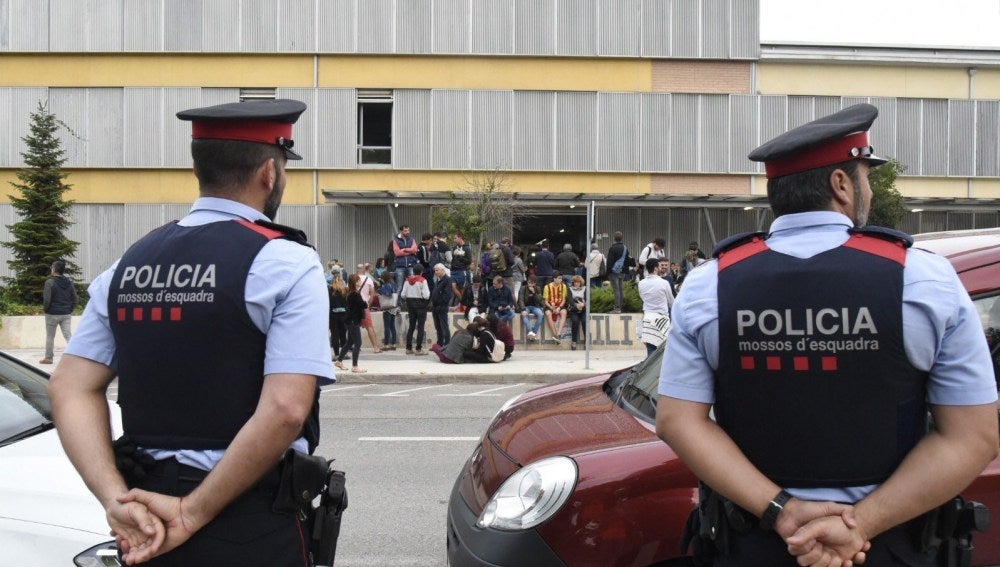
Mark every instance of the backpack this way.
pixel 620 262
pixel 603 271
pixel 491 346
pixel 435 256
pixel 498 262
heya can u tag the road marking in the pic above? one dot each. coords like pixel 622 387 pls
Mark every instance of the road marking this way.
pixel 485 393
pixel 333 389
pixel 418 438
pixel 404 393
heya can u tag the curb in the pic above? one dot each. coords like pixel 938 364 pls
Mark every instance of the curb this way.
pixel 457 378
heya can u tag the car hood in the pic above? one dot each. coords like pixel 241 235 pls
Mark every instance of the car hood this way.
pixel 569 419
pixel 38 484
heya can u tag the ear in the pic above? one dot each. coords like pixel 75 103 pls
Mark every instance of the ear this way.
pixel 268 173
pixel 842 188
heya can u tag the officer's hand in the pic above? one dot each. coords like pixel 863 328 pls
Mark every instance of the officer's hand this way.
pixel 798 513
pixel 180 523
pixel 138 533
pixel 829 541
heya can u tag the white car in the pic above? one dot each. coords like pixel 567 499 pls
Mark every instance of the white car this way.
pixel 48 517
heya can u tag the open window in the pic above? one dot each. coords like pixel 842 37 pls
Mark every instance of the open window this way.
pixel 375 127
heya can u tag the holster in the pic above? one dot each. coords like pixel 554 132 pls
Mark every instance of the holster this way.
pixel 326 524
pixel 303 478
pixel 311 488
pixel 711 527
pixel 949 528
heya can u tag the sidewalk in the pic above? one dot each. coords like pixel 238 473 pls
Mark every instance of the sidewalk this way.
pixel 396 367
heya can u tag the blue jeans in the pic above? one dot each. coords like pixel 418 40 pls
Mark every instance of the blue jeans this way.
pixel 525 317
pixel 505 316
pixel 389 323
pixel 616 287
pixel 460 277
pixel 401 274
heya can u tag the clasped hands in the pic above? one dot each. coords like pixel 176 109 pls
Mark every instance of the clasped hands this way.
pixel 146 524
pixel 822 534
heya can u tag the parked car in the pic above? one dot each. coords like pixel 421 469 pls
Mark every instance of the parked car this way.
pixel 48 517
pixel 573 473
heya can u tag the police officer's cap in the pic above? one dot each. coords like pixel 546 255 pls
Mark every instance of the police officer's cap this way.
pixel 833 139
pixel 262 121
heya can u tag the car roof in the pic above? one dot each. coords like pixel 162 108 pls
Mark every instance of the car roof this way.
pixel 975 254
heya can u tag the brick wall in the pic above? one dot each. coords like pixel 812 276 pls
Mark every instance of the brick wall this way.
pixel 712 77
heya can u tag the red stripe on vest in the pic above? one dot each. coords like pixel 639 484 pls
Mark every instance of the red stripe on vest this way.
pixel 268 233
pixel 889 250
pixel 741 252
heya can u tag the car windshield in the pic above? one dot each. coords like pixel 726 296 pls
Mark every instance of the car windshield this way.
pixel 988 307
pixel 24 402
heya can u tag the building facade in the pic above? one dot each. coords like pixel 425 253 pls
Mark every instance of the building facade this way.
pixel 646 108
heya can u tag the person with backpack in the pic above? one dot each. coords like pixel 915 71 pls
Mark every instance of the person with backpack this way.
pixel 620 262
pixel 404 253
pixel 654 249
pixel 597 266
pixel 417 296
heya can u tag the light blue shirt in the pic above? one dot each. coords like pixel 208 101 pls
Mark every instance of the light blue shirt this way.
pixel 282 290
pixel 943 333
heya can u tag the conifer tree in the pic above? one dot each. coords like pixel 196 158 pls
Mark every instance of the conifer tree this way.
pixel 39 235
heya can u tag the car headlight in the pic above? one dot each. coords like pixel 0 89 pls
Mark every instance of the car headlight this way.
pixel 102 555
pixel 531 495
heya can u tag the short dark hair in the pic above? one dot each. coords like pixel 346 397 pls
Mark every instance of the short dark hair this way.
pixel 505 240
pixel 59 267
pixel 652 264
pixel 220 165
pixel 459 234
pixel 417 269
pixel 618 236
pixel 659 241
pixel 807 190
pixel 426 236
pixel 402 226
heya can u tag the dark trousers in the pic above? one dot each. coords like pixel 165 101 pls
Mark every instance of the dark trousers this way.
pixel 353 344
pixel 441 326
pixel 389 328
pixel 246 533
pixel 576 325
pixel 338 334
pixel 896 547
pixel 417 319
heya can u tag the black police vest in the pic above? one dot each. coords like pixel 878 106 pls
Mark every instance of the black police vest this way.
pixel 190 360
pixel 813 381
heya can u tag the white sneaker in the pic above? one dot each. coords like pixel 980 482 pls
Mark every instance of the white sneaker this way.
pixel 532 336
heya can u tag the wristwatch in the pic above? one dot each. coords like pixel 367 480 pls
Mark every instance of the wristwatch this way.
pixel 774 507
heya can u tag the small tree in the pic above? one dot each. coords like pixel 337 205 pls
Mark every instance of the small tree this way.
pixel 888 205
pixel 483 203
pixel 39 237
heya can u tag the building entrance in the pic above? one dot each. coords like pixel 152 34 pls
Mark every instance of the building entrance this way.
pixel 559 229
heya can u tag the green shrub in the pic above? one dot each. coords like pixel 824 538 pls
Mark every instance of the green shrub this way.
pixel 602 299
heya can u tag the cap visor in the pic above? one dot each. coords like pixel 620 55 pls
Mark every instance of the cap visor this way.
pixel 875 161
pixel 289 154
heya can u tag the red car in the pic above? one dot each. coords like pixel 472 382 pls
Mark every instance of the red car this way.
pixel 573 473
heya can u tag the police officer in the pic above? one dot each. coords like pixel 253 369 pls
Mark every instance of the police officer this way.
pixel 211 328
pixel 818 344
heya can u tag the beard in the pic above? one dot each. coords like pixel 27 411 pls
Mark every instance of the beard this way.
pixel 860 209
pixel 274 199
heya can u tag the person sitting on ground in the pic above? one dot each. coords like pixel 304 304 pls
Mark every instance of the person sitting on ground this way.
pixel 462 341
pixel 502 332
pixel 531 304
pixel 501 300
pixel 555 295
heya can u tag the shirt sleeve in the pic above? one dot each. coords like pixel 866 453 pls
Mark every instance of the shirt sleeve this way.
pixel 92 338
pixel 692 351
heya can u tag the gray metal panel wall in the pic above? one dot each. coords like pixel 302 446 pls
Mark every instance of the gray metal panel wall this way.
pixel 451 26
pixel 451 129
pixel 29 25
pixel 988 138
pixel 576 28
pixel 336 23
pixel 825 105
pixel 6 134
pixel 305 133
pixel 23 102
pixel 218 95
pixel 183 25
pixel 534 27
pixel 715 28
pixel 621 24
pixel 297 26
pixel 177 133
pixel 260 25
pixel 492 26
pixel 714 136
pixel 618 146
pixel 534 130
pixel 4 25
pixel 656 26
pixel 414 22
pixel 909 128
pixel 105 25
pixel 104 137
pixel 411 129
pixel 142 26
pixel 742 133
pixel 656 128
pixel 684 28
pixel 576 134
pixel 745 23
pixel 934 159
pixel 70 105
pixel 491 119
pixel 883 134
pixel 961 156
pixel 220 32
pixel 375 23
pixel 684 143
pixel 336 128
pixel 68 25
pixel 801 109
pixel 142 139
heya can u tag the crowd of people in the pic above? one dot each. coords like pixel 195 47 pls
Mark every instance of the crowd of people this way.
pixel 438 277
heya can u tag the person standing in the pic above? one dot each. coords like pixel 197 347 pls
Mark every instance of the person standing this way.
pixel 440 301
pixel 545 265
pixel 597 267
pixel 404 249
pixel 657 296
pixel 218 371
pixel 506 271
pixel 461 259
pixel 417 296
pixel 567 262
pixel 59 299
pixel 356 308
pixel 388 301
pixel 619 262
pixel 652 250
pixel 369 294
pixel 337 294
pixel 859 412
pixel 519 271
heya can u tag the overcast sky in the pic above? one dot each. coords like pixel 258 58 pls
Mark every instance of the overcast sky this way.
pixel 929 23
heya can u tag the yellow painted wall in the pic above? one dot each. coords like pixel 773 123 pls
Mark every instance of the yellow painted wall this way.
pixel 852 80
pixel 151 186
pixel 529 182
pixel 180 70
pixel 987 84
pixel 932 187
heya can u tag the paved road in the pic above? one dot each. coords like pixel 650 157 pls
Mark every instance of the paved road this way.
pixel 402 447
